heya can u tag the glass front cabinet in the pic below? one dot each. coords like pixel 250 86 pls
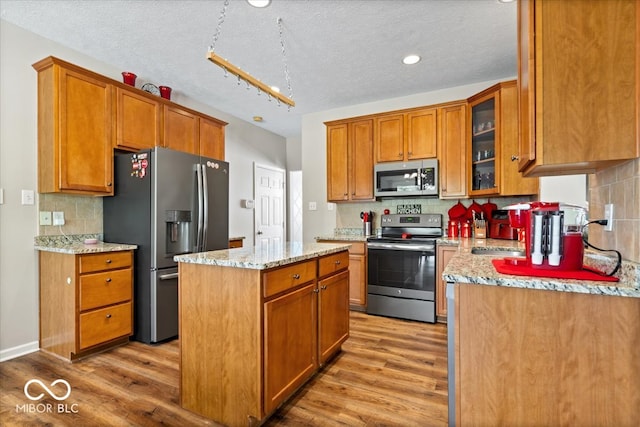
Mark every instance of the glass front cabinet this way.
pixel 492 148
pixel 484 145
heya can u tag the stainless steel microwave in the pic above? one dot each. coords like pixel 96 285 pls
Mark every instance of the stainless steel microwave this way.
pixel 406 179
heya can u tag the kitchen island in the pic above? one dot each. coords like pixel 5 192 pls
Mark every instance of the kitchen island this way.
pixel 538 351
pixel 256 324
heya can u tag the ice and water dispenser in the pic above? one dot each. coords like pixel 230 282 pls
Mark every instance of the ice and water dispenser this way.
pixel 178 240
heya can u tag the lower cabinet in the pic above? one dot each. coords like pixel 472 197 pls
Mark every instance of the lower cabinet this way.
pixel 357 273
pixel 444 255
pixel 85 302
pixel 241 360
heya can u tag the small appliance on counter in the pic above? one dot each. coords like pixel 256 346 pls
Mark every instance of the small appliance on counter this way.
pixel 553 234
pixel 553 242
pixel 500 227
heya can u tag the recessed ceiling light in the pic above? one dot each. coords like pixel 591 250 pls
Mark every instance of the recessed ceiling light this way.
pixel 259 3
pixel 506 1
pixel 257 119
pixel 411 59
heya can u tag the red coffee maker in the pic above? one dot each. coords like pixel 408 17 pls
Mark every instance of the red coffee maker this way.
pixel 553 235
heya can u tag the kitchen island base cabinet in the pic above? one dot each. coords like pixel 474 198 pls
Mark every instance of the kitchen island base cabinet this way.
pixel 539 357
pixel 249 338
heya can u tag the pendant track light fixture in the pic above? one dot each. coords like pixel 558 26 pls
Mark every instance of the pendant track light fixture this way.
pixel 245 77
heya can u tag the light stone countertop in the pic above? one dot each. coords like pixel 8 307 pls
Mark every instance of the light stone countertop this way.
pixel 262 258
pixel 74 244
pixel 343 238
pixel 465 267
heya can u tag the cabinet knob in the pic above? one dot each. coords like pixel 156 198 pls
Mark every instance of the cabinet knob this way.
pixel 514 157
pixel 410 153
pixel 109 184
pixel 296 276
pixel 338 262
pixel 108 316
pixel 108 280
pixel 108 261
pixel 323 287
pixel 316 290
pixel 399 154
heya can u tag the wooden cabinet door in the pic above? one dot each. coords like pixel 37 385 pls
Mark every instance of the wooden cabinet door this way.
pixel 512 183
pixel 333 314
pixel 181 130
pixel 290 343
pixel 445 253
pixel 452 151
pixel 582 101
pixel 358 280
pixel 526 85
pixel 138 120
pixel 85 135
pixel 361 160
pixel 337 163
pixel 211 139
pixel 421 134
pixel 389 138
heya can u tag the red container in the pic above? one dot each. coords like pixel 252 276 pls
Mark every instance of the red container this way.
pixel 165 92
pixel 466 230
pixel 129 78
pixel 453 229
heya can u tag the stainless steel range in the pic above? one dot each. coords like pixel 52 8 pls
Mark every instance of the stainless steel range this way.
pixel 402 267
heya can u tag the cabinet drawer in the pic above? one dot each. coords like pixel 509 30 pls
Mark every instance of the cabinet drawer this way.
pixel 329 264
pixel 106 288
pixel 276 281
pixel 105 324
pixel 104 261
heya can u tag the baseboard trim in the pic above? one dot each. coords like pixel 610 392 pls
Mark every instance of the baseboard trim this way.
pixel 21 350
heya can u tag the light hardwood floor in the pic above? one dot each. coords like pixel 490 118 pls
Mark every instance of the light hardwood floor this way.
pixel 390 373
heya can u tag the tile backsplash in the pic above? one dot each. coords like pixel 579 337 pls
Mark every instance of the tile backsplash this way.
pixel 82 214
pixel 619 185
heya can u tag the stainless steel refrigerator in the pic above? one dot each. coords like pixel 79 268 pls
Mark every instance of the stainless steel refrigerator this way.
pixel 168 203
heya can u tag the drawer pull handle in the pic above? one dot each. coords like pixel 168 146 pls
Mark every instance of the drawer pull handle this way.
pixel 296 276
pixel 108 279
pixel 108 261
pixel 108 316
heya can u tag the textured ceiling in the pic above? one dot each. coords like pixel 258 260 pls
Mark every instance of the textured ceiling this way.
pixel 338 53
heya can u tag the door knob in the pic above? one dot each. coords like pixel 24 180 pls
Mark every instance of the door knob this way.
pixel 259 232
pixel 514 157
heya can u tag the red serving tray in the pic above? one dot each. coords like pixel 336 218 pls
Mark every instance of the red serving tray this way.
pixel 505 267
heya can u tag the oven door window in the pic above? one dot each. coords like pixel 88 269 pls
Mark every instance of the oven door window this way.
pixel 408 180
pixel 402 269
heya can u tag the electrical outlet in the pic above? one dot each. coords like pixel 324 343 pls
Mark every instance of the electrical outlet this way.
pixel 313 206
pixel 45 218
pixel 608 215
pixel 331 206
pixel 58 218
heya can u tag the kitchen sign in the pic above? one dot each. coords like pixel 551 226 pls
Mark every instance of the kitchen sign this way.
pixel 409 209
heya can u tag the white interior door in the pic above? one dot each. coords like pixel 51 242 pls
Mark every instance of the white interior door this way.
pixel 270 206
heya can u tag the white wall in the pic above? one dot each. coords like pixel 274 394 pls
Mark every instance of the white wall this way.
pixel 245 143
pixel 314 158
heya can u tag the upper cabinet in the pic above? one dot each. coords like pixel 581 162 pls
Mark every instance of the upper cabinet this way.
pixel 350 160
pixel 211 138
pixel 83 116
pixel 138 120
pixel 75 133
pixel 406 136
pixel 493 143
pixel 452 151
pixel 579 88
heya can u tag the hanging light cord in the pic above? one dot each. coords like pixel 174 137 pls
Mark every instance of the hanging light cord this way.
pixel 221 18
pixel 584 239
pixel 284 59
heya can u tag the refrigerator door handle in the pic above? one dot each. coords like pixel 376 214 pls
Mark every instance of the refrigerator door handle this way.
pixel 168 276
pixel 200 208
pixel 205 203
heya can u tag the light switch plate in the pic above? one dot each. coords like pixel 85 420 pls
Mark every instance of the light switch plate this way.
pixel 28 197
pixel 313 206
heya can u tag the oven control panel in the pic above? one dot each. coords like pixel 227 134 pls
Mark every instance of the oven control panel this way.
pixel 412 220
